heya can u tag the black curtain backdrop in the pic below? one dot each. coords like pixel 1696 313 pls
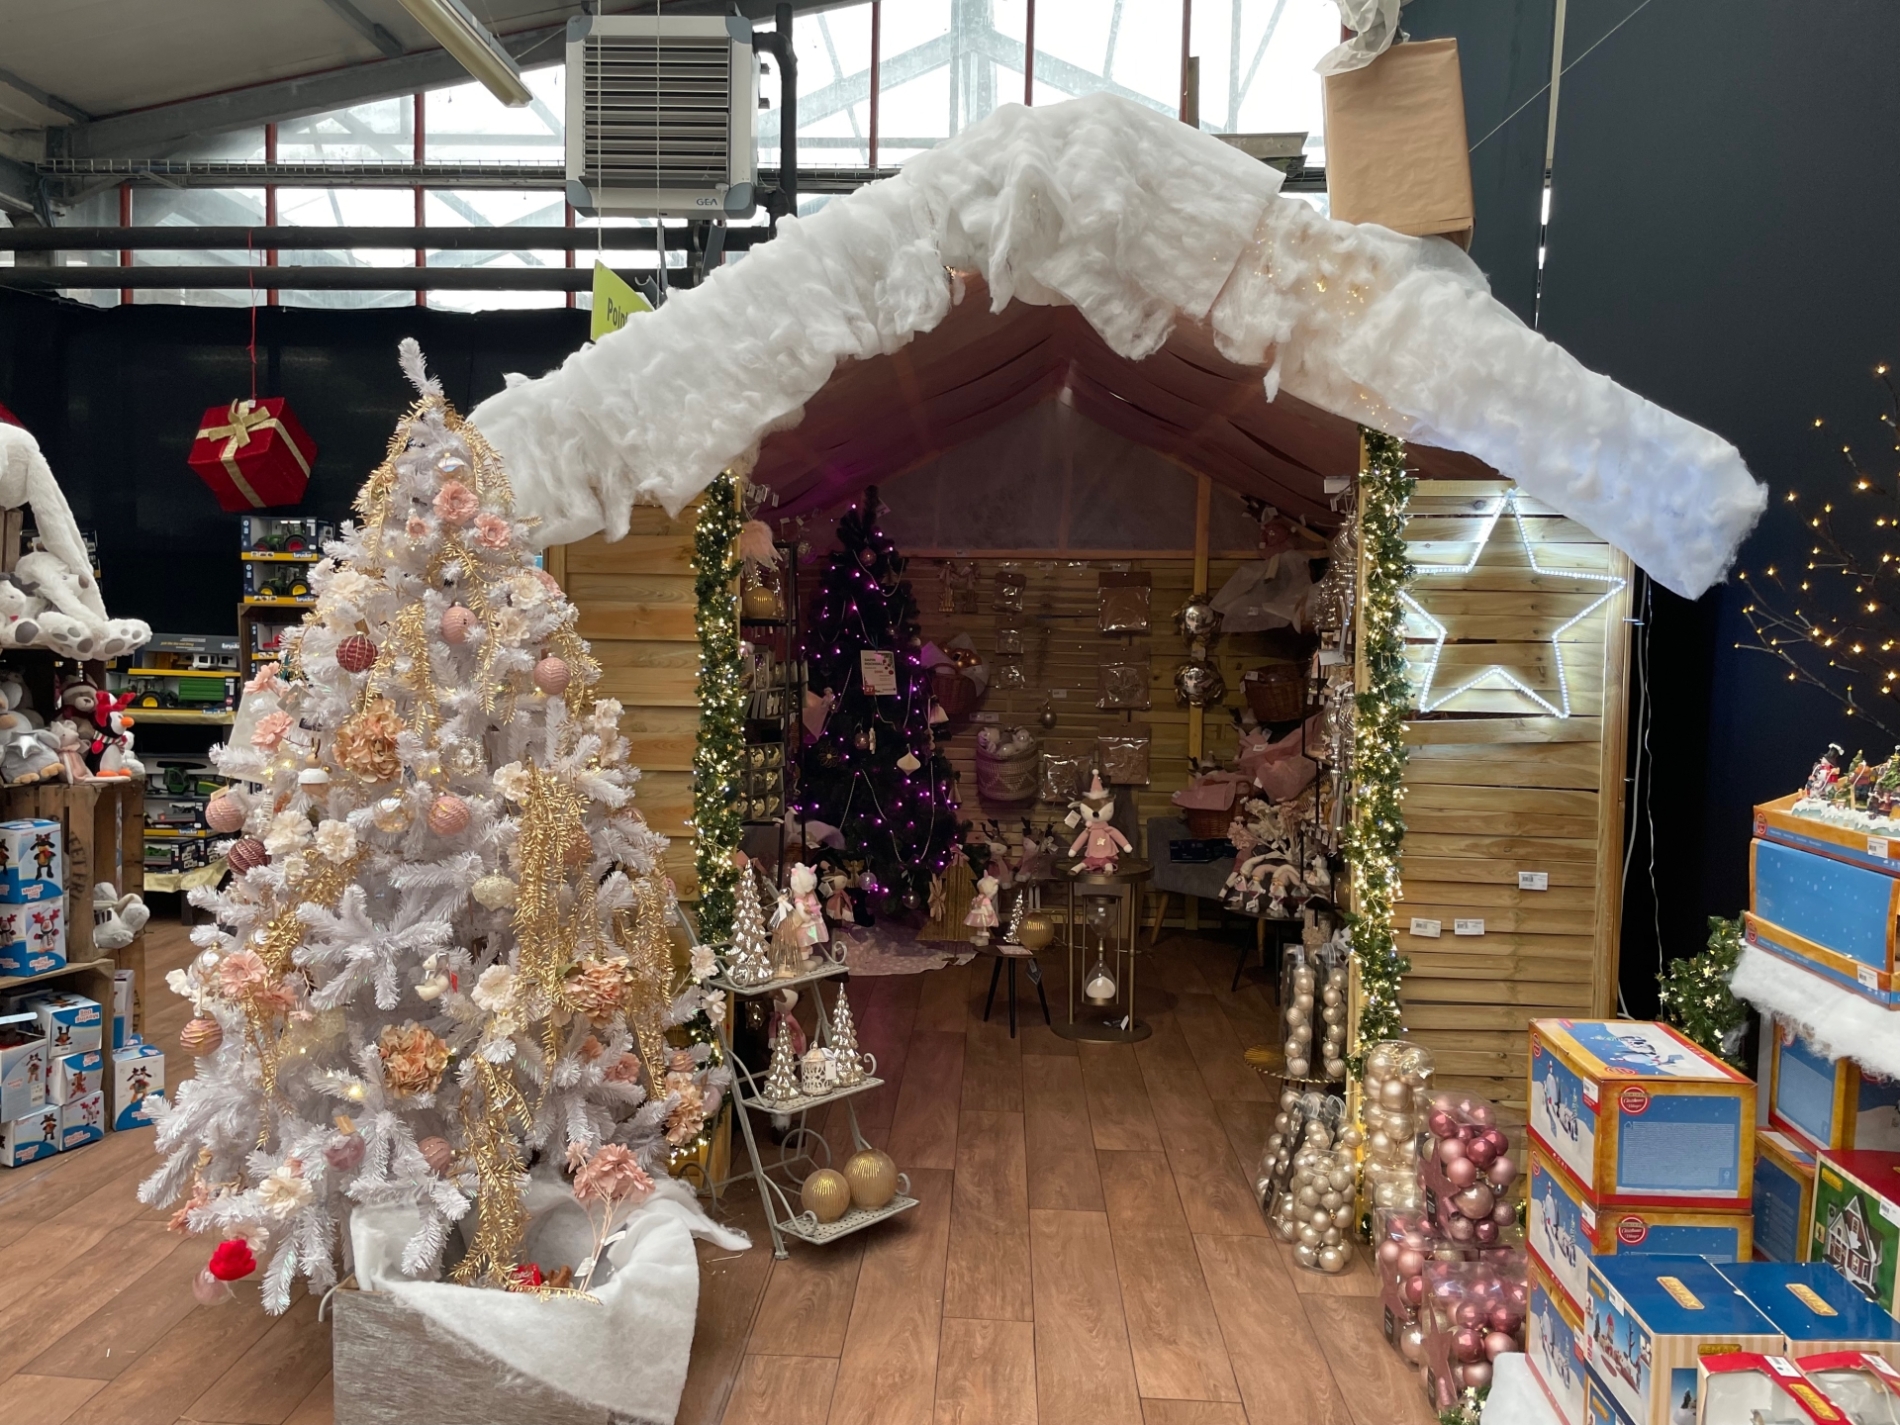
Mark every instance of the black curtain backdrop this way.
pixel 115 396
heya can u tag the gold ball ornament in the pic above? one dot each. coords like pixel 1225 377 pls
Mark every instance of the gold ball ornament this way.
pixel 1036 931
pixel 201 1036
pixel 496 891
pixel 448 815
pixel 761 601
pixel 391 814
pixel 458 623
pixel 552 675
pixel 826 1195
pixel 223 813
pixel 873 1178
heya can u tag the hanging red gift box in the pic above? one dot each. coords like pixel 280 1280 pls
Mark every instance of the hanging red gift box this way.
pixel 253 454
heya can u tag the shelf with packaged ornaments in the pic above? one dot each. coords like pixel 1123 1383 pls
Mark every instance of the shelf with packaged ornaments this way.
pixel 804 1103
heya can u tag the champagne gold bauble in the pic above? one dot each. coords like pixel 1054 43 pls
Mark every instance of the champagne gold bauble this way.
pixel 201 1036
pixel 1036 931
pixel 761 601
pixel 873 1178
pixel 826 1195
pixel 448 815
pixel 224 813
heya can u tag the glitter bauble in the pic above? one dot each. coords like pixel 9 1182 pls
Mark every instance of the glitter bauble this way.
pixel 1199 619
pixel 1036 931
pixel 551 676
pixel 201 1036
pixel 246 855
pixel 391 814
pixel 826 1195
pixel 437 1153
pixel 873 1178
pixel 458 623
pixel 1199 684
pixel 355 654
pixel 496 891
pixel 223 814
pixel 346 1154
pixel 448 815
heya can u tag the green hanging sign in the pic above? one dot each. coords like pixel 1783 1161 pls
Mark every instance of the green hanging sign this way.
pixel 615 300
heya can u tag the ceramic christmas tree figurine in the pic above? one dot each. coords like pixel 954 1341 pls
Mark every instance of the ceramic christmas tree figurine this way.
pixel 844 1042
pixel 749 962
pixel 781 1079
pixel 446 948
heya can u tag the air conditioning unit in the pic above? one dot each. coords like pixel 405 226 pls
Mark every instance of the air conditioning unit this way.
pixel 660 115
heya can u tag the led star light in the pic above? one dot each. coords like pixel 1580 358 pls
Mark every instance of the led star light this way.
pixel 1495 675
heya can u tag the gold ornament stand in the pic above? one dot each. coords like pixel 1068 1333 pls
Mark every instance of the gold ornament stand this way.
pixel 805 1149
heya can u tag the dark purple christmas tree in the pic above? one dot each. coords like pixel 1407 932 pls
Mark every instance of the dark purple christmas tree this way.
pixel 875 772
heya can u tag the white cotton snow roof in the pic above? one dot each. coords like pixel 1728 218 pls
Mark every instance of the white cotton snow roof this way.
pixel 1160 278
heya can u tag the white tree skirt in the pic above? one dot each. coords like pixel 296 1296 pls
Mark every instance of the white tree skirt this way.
pixel 1516 1398
pixel 1837 1022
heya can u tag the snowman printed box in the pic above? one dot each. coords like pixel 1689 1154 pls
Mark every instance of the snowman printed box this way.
pixel 1648 1320
pixel 27 1140
pixel 23 1065
pixel 1553 1339
pixel 32 864
pixel 138 1080
pixel 1816 1309
pixel 82 1121
pixel 1565 1227
pixel 1640 1116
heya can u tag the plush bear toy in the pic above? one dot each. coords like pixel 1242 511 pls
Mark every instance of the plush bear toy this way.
pixel 1099 844
pixel 27 754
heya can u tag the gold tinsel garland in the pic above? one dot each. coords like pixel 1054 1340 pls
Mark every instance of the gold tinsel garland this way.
pixel 501 1217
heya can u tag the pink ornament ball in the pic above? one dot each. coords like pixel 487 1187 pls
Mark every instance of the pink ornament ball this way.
pixel 224 814
pixel 1502 1172
pixel 1410 1263
pixel 437 1153
pixel 1461 1172
pixel 346 1154
pixel 1504 1212
pixel 1469 1314
pixel 458 623
pixel 246 855
pixel 1441 1124
pixel 1503 1318
pixel 1467 1345
pixel 552 675
pixel 1459 1229
pixel 1414 1290
pixel 1450 1150
pixel 1500 1145
pixel 1485 1231
pixel 1481 1151
pixel 1475 1202
pixel 355 654
pixel 448 815
pixel 1389 1253
pixel 1478 1374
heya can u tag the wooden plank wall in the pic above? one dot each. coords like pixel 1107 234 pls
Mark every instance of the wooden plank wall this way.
pixel 1494 788
pixel 635 598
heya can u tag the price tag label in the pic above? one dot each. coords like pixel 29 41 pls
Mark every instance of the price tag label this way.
pixel 1890 1211
pixel 1059 693
pixel 1034 970
pixel 986 717
pixel 1869 977
pixel 877 671
pixel 1533 880
pixel 1467 927
pixel 1428 929
pixel 1877 846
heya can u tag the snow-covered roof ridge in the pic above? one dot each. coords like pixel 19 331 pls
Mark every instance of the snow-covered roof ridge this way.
pixel 1138 222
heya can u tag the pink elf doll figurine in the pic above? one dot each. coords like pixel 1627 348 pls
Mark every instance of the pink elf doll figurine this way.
pixel 1098 844
pixel 982 917
pixel 804 882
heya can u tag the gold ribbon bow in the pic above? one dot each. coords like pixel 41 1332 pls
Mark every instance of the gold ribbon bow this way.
pixel 243 418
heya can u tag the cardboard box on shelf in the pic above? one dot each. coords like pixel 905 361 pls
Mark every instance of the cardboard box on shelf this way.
pixel 36 937
pixel 124 1006
pixel 1565 1227
pixel 23 1064
pixel 32 860
pixel 1855 1224
pixel 1748 1386
pixel 27 1140
pixel 1829 1102
pixel 1649 1319
pixel 1553 1339
pixel 1816 1308
pixel 138 1077
pixel 70 1022
pixel 82 1121
pixel 1640 1115
pixel 75 1075
pixel 1784 1196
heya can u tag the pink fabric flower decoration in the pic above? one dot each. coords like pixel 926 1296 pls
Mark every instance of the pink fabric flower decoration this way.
pixel 416 528
pixel 241 973
pixel 264 679
pixel 455 503
pixel 491 531
pixel 270 730
pixel 612 1175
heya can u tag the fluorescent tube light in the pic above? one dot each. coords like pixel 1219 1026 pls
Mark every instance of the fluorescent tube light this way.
pixel 471 45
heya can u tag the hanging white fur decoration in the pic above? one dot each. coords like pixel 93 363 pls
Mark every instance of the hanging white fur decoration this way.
pixel 1139 222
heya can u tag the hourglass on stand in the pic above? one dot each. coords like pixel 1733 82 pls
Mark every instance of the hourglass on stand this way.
pixel 1103 912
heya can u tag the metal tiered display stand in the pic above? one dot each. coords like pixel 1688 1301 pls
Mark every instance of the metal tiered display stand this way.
pixel 804 1149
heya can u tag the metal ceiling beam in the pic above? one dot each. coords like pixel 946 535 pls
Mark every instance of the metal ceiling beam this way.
pixel 178 173
pixel 235 278
pixel 142 132
pixel 19 187
pixel 44 99
pixel 522 238
pixel 367 28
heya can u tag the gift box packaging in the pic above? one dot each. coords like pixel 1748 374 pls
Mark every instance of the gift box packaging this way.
pixel 1831 965
pixel 37 936
pixel 138 1078
pixel 124 1006
pixel 1861 1385
pixel 1745 1386
pixel 1784 1197
pixel 1396 147
pixel 1553 1339
pixel 1833 915
pixel 1816 1309
pixel 32 860
pixel 82 1121
pixel 30 1138
pixel 22 1064
pixel 1600 1408
pixel 1565 1227
pixel 1649 1320
pixel 1640 1116
pixel 1831 1103
pixel 76 1075
pixel 68 1022
pixel 1853 1225
pixel 253 454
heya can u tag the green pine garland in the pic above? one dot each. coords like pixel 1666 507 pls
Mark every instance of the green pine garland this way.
pixel 1377 830
pixel 720 750
pixel 1695 996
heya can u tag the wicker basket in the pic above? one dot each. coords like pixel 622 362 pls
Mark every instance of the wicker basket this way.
pixel 956 694
pixel 1276 693
pixel 1205 824
pixel 1008 779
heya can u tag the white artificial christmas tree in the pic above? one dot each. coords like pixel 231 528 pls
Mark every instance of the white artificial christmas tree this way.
pixel 446 956
pixel 749 962
pixel 844 1042
pixel 781 1078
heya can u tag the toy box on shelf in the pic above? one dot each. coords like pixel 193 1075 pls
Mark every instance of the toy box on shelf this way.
pixel 1640 1116
pixel 181 678
pixel 138 1080
pixel 1853 1224
pixel 1647 1321
pixel 1744 1387
pixel 1565 1226
pixel 1816 1309
pixel 52 1038
pixel 1829 1103
pixel 1554 1341
pixel 1784 1196
pixel 1862 1385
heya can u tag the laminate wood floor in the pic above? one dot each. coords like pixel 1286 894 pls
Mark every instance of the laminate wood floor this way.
pixel 1086 1250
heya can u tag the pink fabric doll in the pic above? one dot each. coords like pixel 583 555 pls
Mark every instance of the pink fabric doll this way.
pixel 982 916
pixel 1099 844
